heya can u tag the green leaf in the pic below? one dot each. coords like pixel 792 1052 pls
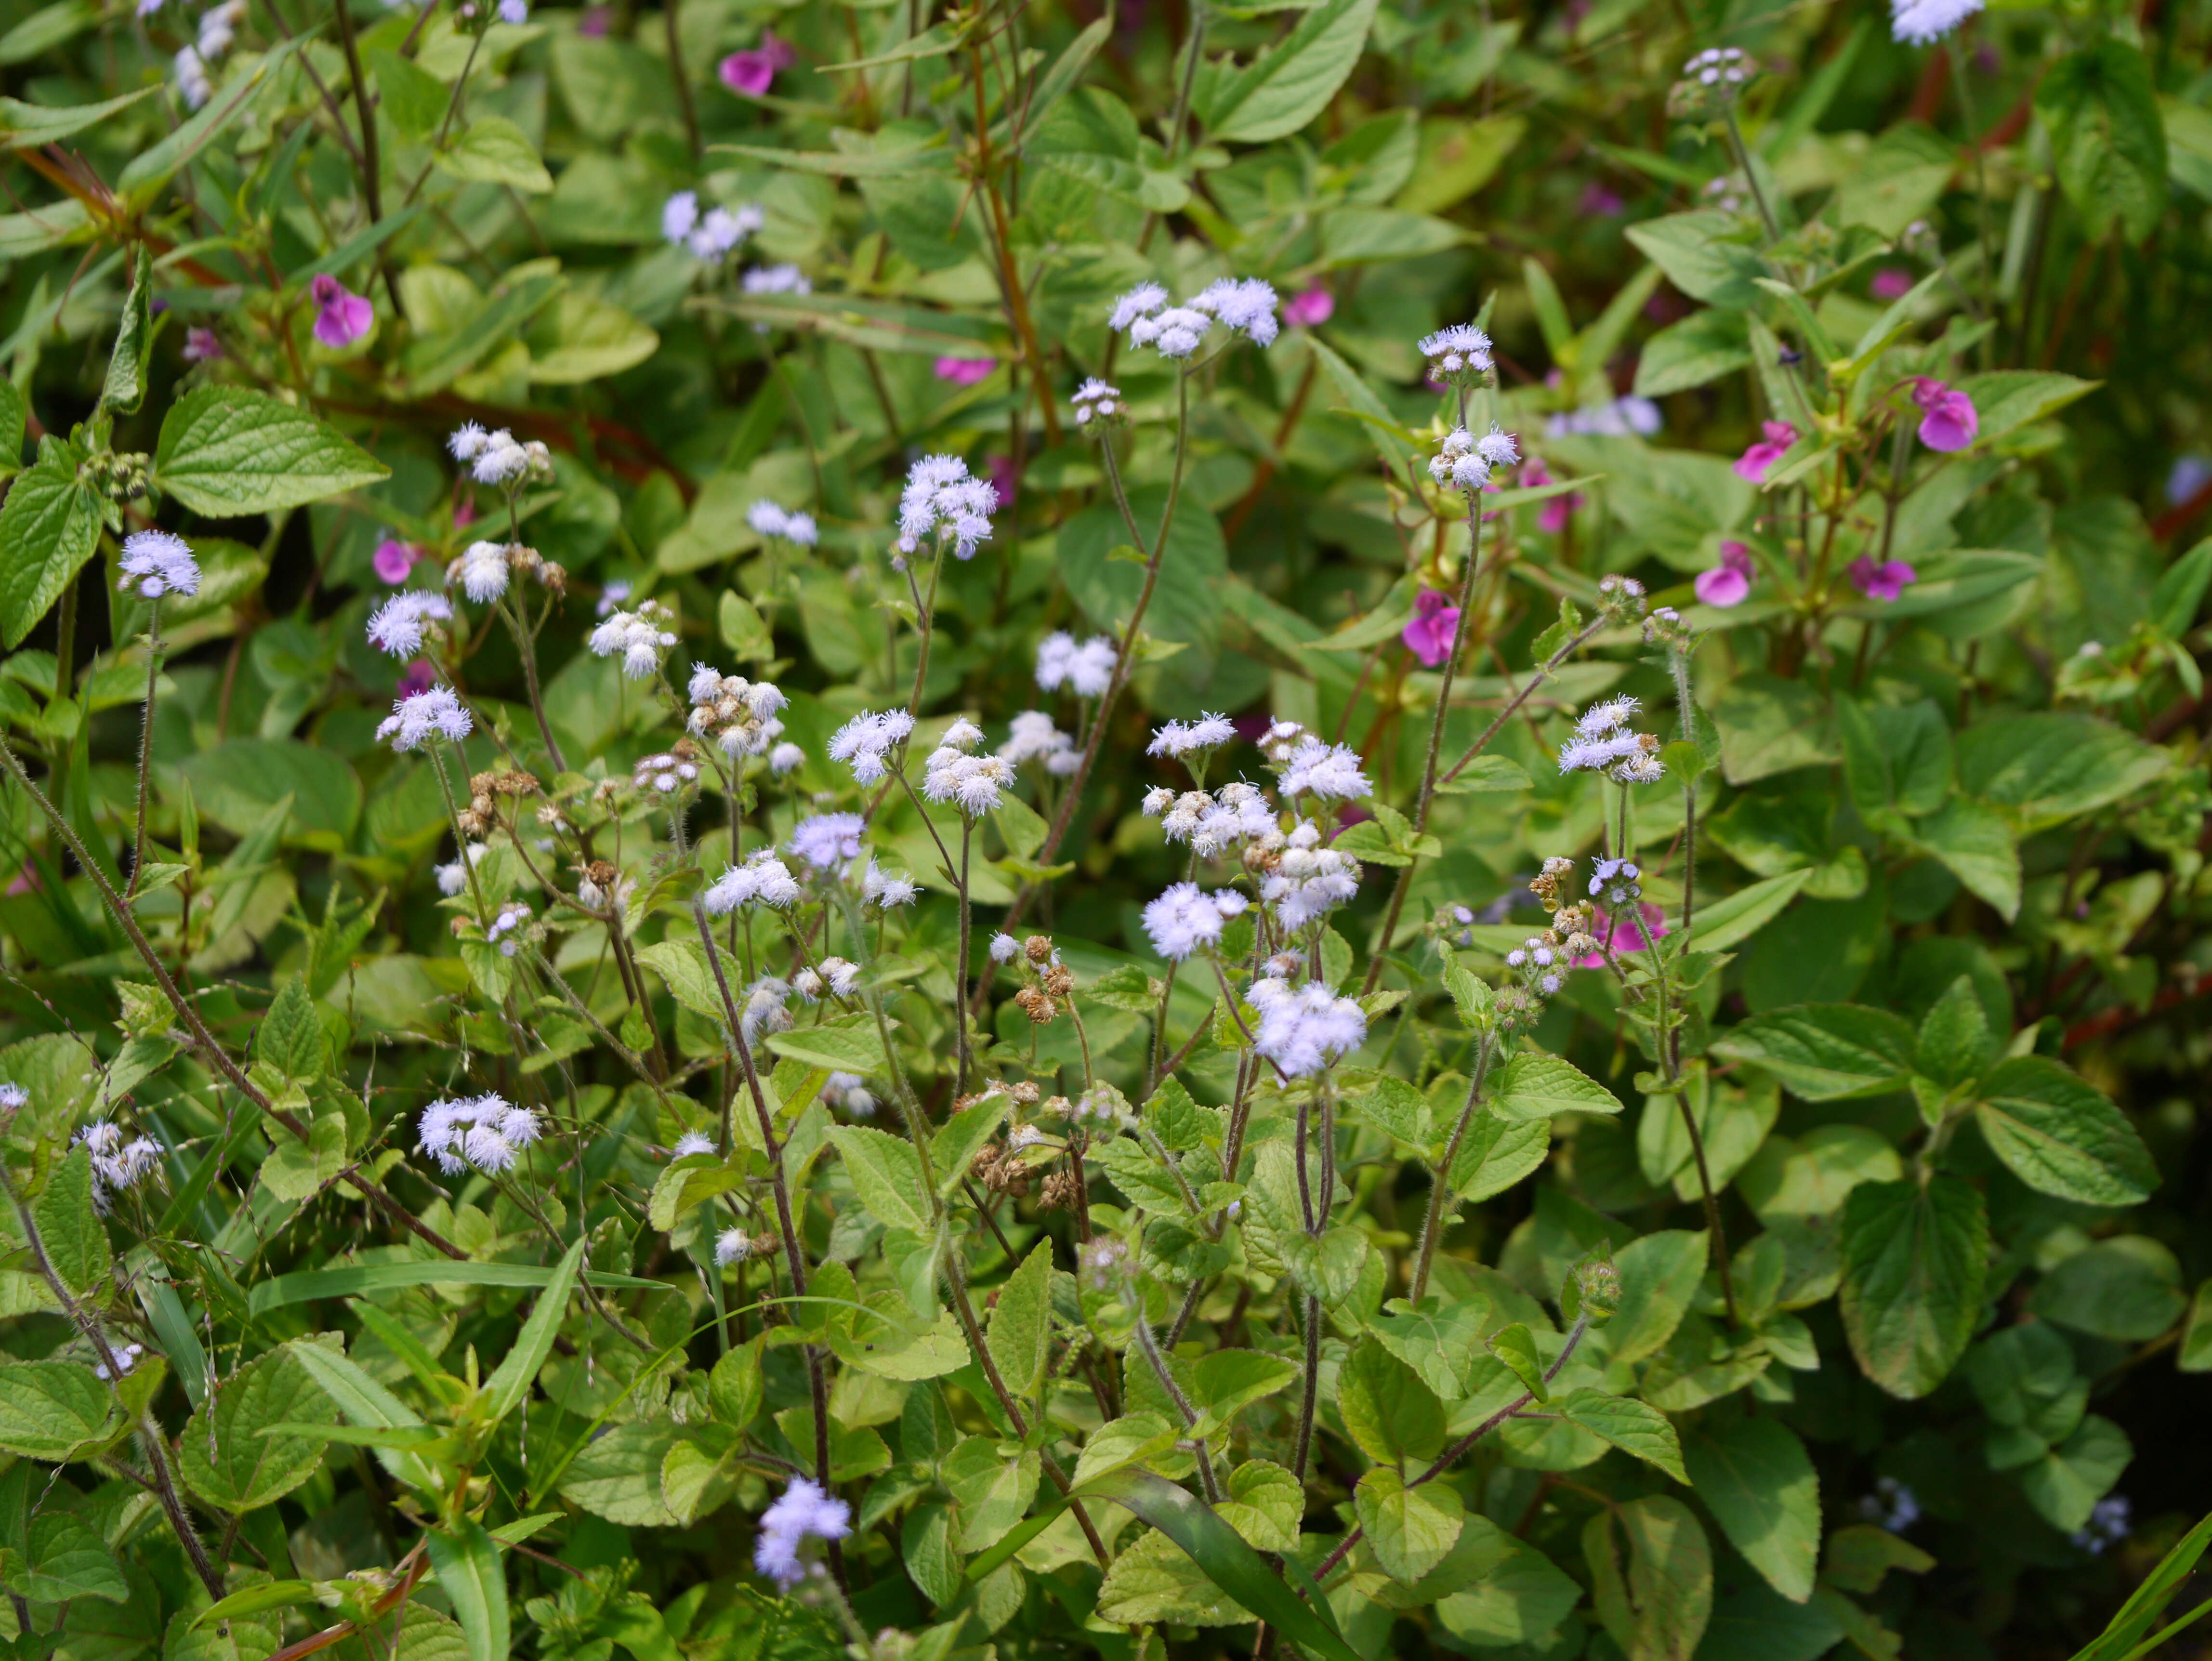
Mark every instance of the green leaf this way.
pixel 1496 1153
pixel 2140 1612
pixel 2127 1288
pixel 1955 1043
pixel 1536 1085
pixel 506 1387
pixel 65 1559
pixel 1972 840
pixel 2043 770
pixel 414 98
pixel 1756 1478
pixel 994 1482
pixel 224 452
pixel 1020 1333
pixel 886 1174
pixel 1516 1348
pixel 2107 143
pixel 304 1286
pixel 29 126
pixel 1826 1052
pixel 858 1047
pixel 1288 84
pixel 297 1169
pixel 465 1559
pixel 1703 347
pixel 1633 1427
pixel 1660 1275
pixel 2065 1484
pixel 1224 1381
pixel 1383 428
pixel 1387 1409
pixel 365 1402
pixel 2061 1136
pixel 125 387
pixel 70 1225
pixel 149 170
pixel 1410 1528
pixel 290 1036
pixel 49 1410
pixel 1658 1611
pixel 226 1458
pixel 494 151
pixel 1914 1263
pixel 49 526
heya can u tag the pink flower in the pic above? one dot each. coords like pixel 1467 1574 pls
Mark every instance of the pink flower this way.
pixel 421 675
pixel 465 513
pixel 749 74
pixel 1003 479
pixel 201 345
pixel 394 559
pixel 341 317
pixel 1949 420
pixel 1891 282
pixel 1600 201
pixel 1885 581
pixel 1551 515
pixel 1309 307
pixel 1753 463
pixel 1429 636
pixel 1624 934
pixel 1727 582
pixel 965 371
pixel 593 23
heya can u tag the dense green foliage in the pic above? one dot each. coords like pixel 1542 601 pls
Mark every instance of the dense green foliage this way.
pixel 1671 1125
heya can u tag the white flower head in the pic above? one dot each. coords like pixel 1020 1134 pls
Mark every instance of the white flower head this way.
pixel 864 742
pixel 943 500
pixel 1923 22
pixel 1303 1029
pixel 399 626
pixel 804 1510
pixel 690 1142
pixel 828 840
pixel 116 1164
pixel 638 637
pixel 1084 668
pixel 481 571
pixel 887 889
pixel 1003 947
pixel 784 757
pixel 159 563
pixel 1096 403
pixel 484 1132
pixel 771 520
pixel 1248 306
pixel 763 880
pixel 1329 770
pixel 1033 737
pixel 732 1245
pixel 1309 880
pixel 666 774
pixel 1457 355
pixel 1185 917
pixel 421 716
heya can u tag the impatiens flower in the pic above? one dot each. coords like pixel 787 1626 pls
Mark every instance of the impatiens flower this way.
pixel 1600 201
pixel 397 627
pixel 863 742
pixel 1923 22
pixel 749 74
pixel 415 721
pixel 341 317
pixel 1086 669
pixel 1186 917
pixel 1434 626
pixel 1301 1031
pixel 1629 930
pixel 1891 282
pixel 420 676
pixel 827 839
pixel 965 371
pixel 1885 581
pixel 1949 422
pixel 157 563
pixel 804 1509
pixel 942 498
pixel 394 559
pixel 1727 582
pixel 1776 438
pixel 201 345
pixel 1309 307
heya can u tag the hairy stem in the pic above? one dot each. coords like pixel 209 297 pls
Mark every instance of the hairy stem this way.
pixel 146 745
pixel 1433 1220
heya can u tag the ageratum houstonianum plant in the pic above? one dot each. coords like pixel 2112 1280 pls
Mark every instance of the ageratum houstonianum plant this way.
pixel 944 833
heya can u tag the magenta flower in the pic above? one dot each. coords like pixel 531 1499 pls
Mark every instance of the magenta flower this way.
pixel 1753 464
pixel 1624 934
pixel 421 675
pixel 965 371
pixel 1885 581
pixel 1552 515
pixel 341 317
pixel 394 559
pixel 1429 636
pixel 1600 202
pixel 1891 282
pixel 750 74
pixel 201 345
pixel 1727 582
pixel 593 23
pixel 465 513
pixel 1003 479
pixel 1949 420
pixel 1309 307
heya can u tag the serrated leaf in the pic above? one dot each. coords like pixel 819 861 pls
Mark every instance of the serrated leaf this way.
pixel 49 526
pixel 493 150
pixel 886 1174
pixel 1410 1529
pixel 1914 1261
pixel 50 1409
pixel 224 452
pixel 1536 1085
pixel 1516 1348
pixel 466 1561
pixel 225 1456
pixel 1291 82
pixel 2060 1135
pixel 1020 1333
pixel 1633 1427
pixel 1826 1052
pixel 70 1225
pixel 1756 1478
